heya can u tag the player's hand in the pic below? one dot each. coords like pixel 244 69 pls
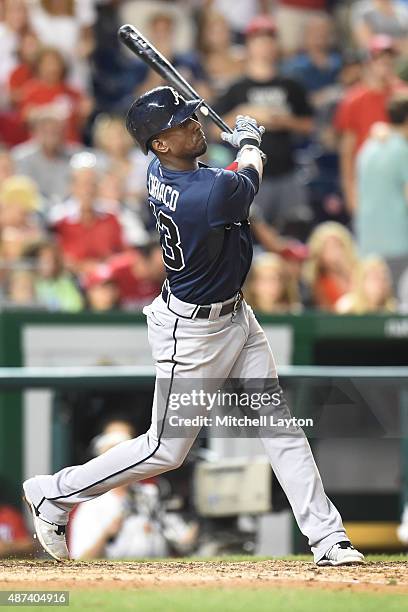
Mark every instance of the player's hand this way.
pixel 246 131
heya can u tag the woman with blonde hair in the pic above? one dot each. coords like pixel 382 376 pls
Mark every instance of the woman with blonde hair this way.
pixel 372 289
pixel 271 288
pixel 332 257
pixel 19 221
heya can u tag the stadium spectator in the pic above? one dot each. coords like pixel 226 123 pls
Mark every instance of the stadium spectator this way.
pixel 86 233
pixel 317 66
pixel 48 86
pixel 116 152
pixel 20 290
pixel 101 291
pixel 243 12
pixel 364 105
pixel 352 68
pixel 19 225
pixel 27 52
pixel 222 61
pixel 271 289
pixel 280 104
pixel 115 73
pixel 15 540
pixel 113 199
pixel 141 13
pixel 67 25
pixel 372 17
pixel 371 290
pixel 45 158
pixel 162 30
pixel 328 271
pixel 381 217
pixel 55 288
pixel 13 26
pixel 7 166
pixel 292 16
pixel 136 273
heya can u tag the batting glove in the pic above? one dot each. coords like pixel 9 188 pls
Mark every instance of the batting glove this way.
pixel 246 131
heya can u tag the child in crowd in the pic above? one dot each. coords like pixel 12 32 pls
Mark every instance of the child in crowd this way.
pixel 55 288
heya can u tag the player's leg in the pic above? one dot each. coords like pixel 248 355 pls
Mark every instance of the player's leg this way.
pixel 147 455
pixel 185 353
pixel 289 451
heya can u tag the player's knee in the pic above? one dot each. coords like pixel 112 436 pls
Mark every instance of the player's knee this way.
pixel 172 458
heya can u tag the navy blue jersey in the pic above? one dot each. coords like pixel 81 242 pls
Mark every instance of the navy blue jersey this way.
pixel 202 217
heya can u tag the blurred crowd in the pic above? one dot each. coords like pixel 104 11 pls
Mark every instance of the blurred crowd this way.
pixel 328 80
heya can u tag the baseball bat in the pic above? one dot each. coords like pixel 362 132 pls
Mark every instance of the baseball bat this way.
pixel 140 46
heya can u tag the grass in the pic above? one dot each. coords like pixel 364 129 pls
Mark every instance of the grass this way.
pixel 229 600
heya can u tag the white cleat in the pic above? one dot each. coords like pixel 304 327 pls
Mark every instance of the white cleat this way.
pixel 342 553
pixel 50 535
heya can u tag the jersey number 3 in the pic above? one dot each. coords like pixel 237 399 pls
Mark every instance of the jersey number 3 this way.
pixel 170 241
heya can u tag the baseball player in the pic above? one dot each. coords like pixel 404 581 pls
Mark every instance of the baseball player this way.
pixel 199 327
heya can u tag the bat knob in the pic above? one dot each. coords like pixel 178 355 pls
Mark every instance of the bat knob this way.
pixel 126 31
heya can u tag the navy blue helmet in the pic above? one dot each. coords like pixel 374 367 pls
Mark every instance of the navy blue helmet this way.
pixel 157 110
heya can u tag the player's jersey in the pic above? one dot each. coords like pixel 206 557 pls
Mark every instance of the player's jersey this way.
pixel 202 217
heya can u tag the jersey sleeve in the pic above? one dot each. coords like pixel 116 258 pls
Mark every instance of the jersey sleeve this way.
pixel 231 196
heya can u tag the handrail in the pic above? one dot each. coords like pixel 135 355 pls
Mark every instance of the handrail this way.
pixel 114 376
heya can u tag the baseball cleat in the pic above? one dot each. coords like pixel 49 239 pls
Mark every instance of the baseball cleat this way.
pixel 342 553
pixel 50 535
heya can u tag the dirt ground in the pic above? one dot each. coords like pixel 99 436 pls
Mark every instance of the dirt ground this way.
pixel 373 577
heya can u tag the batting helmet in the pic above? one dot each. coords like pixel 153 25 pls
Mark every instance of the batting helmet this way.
pixel 157 110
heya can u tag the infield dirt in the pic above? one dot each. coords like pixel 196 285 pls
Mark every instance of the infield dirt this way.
pixel 375 576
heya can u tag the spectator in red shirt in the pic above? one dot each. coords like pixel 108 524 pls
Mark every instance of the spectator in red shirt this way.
pixel 86 233
pixel 131 279
pixel 49 86
pixel 364 105
pixel 14 537
pixel 27 53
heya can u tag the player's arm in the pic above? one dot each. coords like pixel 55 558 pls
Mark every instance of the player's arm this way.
pixel 247 137
pixel 347 170
pixel 250 157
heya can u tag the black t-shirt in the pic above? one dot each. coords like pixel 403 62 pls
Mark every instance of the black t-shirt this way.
pixel 282 95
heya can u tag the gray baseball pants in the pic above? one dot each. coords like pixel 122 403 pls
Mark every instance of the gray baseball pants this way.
pixel 230 346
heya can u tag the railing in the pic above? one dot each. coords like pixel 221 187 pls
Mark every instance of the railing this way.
pixel 115 376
